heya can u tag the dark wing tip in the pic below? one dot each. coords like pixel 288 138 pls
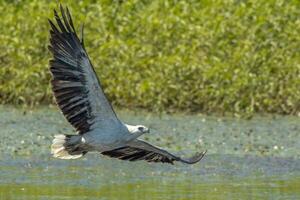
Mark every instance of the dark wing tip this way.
pixel 196 158
pixel 61 7
pixel 82 40
pixel 55 13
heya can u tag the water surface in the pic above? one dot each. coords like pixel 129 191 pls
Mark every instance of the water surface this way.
pixel 246 159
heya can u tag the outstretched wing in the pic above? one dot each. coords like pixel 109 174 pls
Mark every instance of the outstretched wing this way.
pixel 140 150
pixel 74 82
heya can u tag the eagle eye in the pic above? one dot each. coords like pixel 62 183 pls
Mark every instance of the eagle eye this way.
pixel 141 129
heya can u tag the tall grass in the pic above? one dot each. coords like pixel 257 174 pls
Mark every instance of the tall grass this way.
pixel 236 56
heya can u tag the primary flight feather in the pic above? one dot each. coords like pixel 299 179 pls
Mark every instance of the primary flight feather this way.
pixel 79 95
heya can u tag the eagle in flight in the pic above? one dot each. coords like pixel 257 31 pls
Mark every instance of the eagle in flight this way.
pixel 81 99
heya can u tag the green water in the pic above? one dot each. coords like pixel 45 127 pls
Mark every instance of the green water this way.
pixel 246 159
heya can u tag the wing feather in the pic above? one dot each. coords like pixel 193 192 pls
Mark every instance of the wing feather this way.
pixel 76 87
pixel 140 150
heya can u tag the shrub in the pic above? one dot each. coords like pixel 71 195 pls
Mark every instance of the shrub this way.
pixel 237 56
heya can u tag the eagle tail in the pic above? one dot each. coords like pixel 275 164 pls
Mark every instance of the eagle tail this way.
pixel 67 147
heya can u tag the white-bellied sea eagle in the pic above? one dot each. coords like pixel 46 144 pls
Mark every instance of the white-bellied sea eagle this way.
pixel 79 95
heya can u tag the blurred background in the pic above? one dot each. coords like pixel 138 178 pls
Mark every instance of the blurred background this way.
pixel 220 75
pixel 234 56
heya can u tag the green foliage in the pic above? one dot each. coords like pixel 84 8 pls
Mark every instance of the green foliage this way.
pixel 237 56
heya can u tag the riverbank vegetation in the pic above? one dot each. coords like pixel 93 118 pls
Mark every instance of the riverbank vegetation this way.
pixel 198 56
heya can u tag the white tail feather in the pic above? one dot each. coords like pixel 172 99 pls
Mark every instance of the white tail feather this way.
pixel 58 148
